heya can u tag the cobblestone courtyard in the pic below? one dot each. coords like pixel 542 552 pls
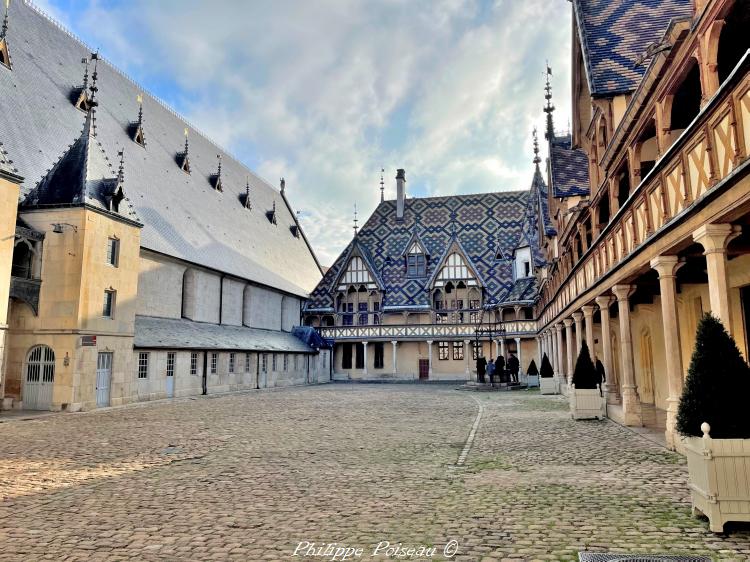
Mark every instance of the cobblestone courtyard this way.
pixel 247 477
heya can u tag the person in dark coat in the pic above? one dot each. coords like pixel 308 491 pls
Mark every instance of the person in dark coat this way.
pixel 491 371
pixel 500 368
pixel 602 376
pixel 481 365
pixel 513 366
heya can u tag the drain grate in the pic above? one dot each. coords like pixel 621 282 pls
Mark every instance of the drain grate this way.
pixel 601 557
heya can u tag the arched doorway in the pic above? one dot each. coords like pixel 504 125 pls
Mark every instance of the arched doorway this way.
pixel 40 378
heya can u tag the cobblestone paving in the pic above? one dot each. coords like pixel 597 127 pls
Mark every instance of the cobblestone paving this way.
pixel 247 477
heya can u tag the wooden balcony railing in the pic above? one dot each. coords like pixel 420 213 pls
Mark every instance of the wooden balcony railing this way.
pixel 707 152
pixel 400 332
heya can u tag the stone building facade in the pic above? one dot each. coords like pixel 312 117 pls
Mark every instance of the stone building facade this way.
pixel 138 260
pixel 650 198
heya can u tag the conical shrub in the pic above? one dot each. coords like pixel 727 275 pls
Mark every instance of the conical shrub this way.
pixel 717 387
pixel 546 371
pixel 532 370
pixel 584 375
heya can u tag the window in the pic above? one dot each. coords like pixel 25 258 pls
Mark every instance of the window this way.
pixel 360 359
pixel 113 251
pixel 273 362
pixel 416 265
pixel 232 358
pixel 376 306
pixel 442 350
pixel 286 362
pixel 438 305
pixel 347 320
pixel 441 318
pixel 376 319
pixel 362 307
pixel 143 365
pixel 362 320
pixel 474 304
pixel 476 350
pixel 247 362
pixel 108 310
pixel 214 362
pixel 458 350
pixel 346 356
pixel 193 363
pixel 379 348
pixel 264 363
pixel 357 272
pixel 170 364
pixel 455 268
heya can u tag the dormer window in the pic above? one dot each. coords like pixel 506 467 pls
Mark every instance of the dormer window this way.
pixel 522 265
pixel 416 265
pixel 139 137
pixel 271 215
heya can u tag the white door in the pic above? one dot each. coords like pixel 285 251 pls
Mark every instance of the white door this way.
pixel 170 375
pixel 103 378
pixel 40 378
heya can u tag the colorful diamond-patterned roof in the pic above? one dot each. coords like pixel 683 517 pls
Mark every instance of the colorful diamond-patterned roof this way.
pixel 569 167
pixel 614 33
pixel 483 226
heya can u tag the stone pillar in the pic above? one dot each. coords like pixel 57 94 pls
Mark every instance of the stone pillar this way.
pixel 364 346
pixel 559 348
pixel 631 408
pixel 539 350
pixel 667 267
pixel 569 347
pixel 578 318
pixel 551 352
pixel 497 348
pixel 395 363
pixel 429 358
pixel 502 347
pixel 714 239
pixel 467 357
pixel 588 323
pixel 518 354
pixel 610 386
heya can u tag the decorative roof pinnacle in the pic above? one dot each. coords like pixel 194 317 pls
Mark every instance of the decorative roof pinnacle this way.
pixel 382 185
pixel 536 160
pixel 549 134
pixel 355 227
pixel 4 30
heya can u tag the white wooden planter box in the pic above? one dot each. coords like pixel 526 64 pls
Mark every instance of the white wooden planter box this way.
pixel 586 403
pixel 547 385
pixel 719 478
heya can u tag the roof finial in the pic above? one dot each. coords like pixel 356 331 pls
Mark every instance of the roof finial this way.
pixel 94 88
pixel 5 20
pixel 355 227
pixel 536 160
pixel 549 108
pixel 186 142
pixel 382 185
pixel 282 183
pixel 121 169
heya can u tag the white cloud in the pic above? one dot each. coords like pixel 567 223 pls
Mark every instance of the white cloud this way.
pixel 326 92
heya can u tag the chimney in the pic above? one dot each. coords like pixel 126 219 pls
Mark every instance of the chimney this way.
pixel 400 193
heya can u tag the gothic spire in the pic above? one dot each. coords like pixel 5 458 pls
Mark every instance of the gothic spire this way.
pixel 382 185
pixel 549 134
pixel 536 160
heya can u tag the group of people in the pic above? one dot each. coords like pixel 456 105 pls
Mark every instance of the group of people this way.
pixel 504 371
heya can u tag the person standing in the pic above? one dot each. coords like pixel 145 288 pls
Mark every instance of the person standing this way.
pixel 491 371
pixel 500 368
pixel 601 375
pixel 481 365
pixel 513 367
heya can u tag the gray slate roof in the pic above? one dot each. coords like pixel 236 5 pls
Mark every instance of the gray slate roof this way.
pixel 169 333
pixel 183 215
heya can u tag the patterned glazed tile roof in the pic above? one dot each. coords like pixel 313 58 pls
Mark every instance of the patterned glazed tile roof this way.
pixel 482 225
pixel 183 215
pixel 614 33
pixel 570 168
pixel 171 333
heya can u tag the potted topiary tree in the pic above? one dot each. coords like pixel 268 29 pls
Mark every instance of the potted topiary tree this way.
pixel 532 375
pixel 586 400
pixel 715 427
pixel 547 384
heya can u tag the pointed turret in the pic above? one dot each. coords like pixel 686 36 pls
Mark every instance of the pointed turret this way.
pixel 549 134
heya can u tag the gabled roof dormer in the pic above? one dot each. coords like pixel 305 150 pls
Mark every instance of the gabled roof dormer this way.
pixel 183 158
pixel 246 197
pixel 271 215
pixel 136 130
pixel 358 270
pixel 84 95
pixel 455 265
pixel 216 178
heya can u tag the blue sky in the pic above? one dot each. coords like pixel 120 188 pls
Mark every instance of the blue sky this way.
pixel 325 92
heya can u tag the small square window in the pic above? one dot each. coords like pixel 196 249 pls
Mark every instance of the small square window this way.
pixel 108 310
pixel 113 252
pixel 193 363
pixel 143 365
pixel 232 358
pixel 443 350
pixel 458 350
pixel 214 362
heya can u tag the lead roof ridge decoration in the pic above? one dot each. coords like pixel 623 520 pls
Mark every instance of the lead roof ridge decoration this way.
pixel 137 132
